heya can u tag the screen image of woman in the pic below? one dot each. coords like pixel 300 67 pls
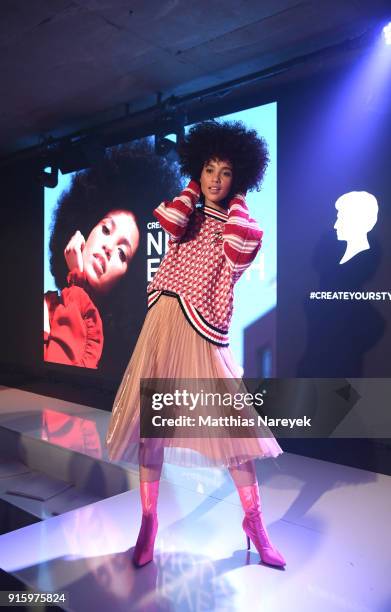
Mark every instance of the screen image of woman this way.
pixel 95 256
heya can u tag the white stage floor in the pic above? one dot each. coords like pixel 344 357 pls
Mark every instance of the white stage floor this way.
pixel 331 522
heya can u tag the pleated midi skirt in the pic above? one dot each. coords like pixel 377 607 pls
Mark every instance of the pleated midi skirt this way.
pixel 168 347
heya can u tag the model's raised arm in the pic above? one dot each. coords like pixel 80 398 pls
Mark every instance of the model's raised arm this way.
pixel 242 237
pixel 174 216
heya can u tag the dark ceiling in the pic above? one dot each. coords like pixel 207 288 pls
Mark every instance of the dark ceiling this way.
pixel 69 65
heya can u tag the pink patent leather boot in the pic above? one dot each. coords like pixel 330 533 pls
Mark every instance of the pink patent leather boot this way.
pixel 254 527
pixel 143 552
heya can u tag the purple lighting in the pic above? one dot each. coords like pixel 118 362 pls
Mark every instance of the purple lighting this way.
pixel 387 33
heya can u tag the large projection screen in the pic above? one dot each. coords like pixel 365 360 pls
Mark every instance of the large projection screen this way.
pixel 111 340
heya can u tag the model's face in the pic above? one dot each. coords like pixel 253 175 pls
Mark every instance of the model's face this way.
pixel 216 180
pixel 109 249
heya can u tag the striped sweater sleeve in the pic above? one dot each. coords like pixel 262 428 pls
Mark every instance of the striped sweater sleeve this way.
pixel 174 216
pixel 242 237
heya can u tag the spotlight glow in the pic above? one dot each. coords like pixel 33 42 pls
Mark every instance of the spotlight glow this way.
pixel 387 33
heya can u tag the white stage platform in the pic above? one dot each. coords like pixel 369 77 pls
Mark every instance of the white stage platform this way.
pixel 330 521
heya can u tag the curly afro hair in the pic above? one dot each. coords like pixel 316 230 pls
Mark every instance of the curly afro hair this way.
pixel 226 140
pixel 131 177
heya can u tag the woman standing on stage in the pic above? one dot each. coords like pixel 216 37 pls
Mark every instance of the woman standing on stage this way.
pixel 185 333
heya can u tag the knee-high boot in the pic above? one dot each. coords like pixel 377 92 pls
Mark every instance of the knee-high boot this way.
pixel 254 527
pixel 143 552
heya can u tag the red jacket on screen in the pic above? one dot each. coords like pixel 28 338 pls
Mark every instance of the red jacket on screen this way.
pixel 76 331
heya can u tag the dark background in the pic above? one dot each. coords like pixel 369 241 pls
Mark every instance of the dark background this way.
pixel 315 167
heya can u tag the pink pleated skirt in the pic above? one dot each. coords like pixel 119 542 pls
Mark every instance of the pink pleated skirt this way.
pixel 168 347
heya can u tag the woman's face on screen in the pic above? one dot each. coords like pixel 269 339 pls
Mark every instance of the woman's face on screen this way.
pixel 109 249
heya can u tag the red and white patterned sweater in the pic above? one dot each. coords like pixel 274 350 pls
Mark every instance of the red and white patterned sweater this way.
pixel 208 252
